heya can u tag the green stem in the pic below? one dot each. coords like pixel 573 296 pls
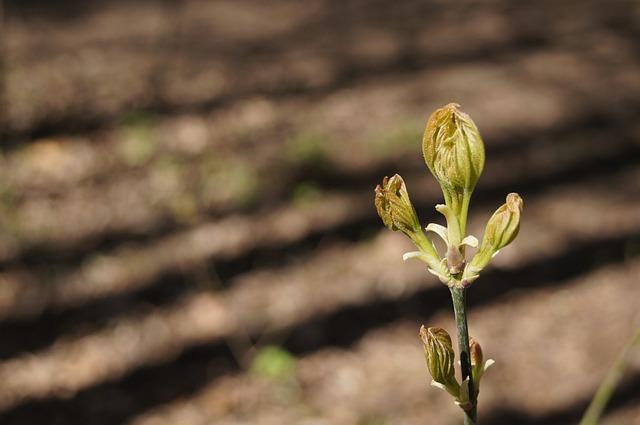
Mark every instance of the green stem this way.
pixel 608 385
pixel 458 295
pixel 464 210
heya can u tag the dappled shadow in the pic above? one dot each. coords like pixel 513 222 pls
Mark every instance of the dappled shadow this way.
pixel 182 49
pixel 594 126
pixel 172 284
pixel 627 394
pixel 308 58
pixel 151 385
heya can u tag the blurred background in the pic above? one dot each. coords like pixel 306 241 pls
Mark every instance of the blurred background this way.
pixel 187 230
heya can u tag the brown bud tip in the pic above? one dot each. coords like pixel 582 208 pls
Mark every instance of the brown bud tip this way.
pixel 423 334
pixel 514 202
pixel 475 351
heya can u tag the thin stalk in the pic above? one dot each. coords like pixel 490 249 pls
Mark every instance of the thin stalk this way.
pixel 424 244
pixel 608 385
pixel 458 295
pixel 464 210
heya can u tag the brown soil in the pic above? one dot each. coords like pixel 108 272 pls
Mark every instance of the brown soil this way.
pixel 185 182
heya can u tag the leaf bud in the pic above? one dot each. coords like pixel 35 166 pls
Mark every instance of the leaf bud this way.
pixel 501 230
pixel 453 149
pixel 394 206
pixel 478 365
pixel 440 358
pixel 477 358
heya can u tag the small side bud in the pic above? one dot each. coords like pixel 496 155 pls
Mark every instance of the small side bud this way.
pixel 501 230
pixel 440 359
pixel 394 206
pixel 453 149
pixel 478 365
pixel 477 358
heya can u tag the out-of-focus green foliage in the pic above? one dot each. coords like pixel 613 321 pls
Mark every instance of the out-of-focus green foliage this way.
pixel 138 144
pixel 275 363
pixel 307 148
pixel 398 141
pixel 306 192
pixel 232 181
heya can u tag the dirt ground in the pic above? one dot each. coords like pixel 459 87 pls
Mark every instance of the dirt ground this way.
pixel 185 183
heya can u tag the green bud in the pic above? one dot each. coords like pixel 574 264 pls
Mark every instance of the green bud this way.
pixel 501 230
pixel 440 359
pixel 453 149
pixel 394 206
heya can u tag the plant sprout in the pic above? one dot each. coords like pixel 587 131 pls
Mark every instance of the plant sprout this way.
pixel 454 153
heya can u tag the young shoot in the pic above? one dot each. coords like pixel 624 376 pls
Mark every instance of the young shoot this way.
pixel 454 153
